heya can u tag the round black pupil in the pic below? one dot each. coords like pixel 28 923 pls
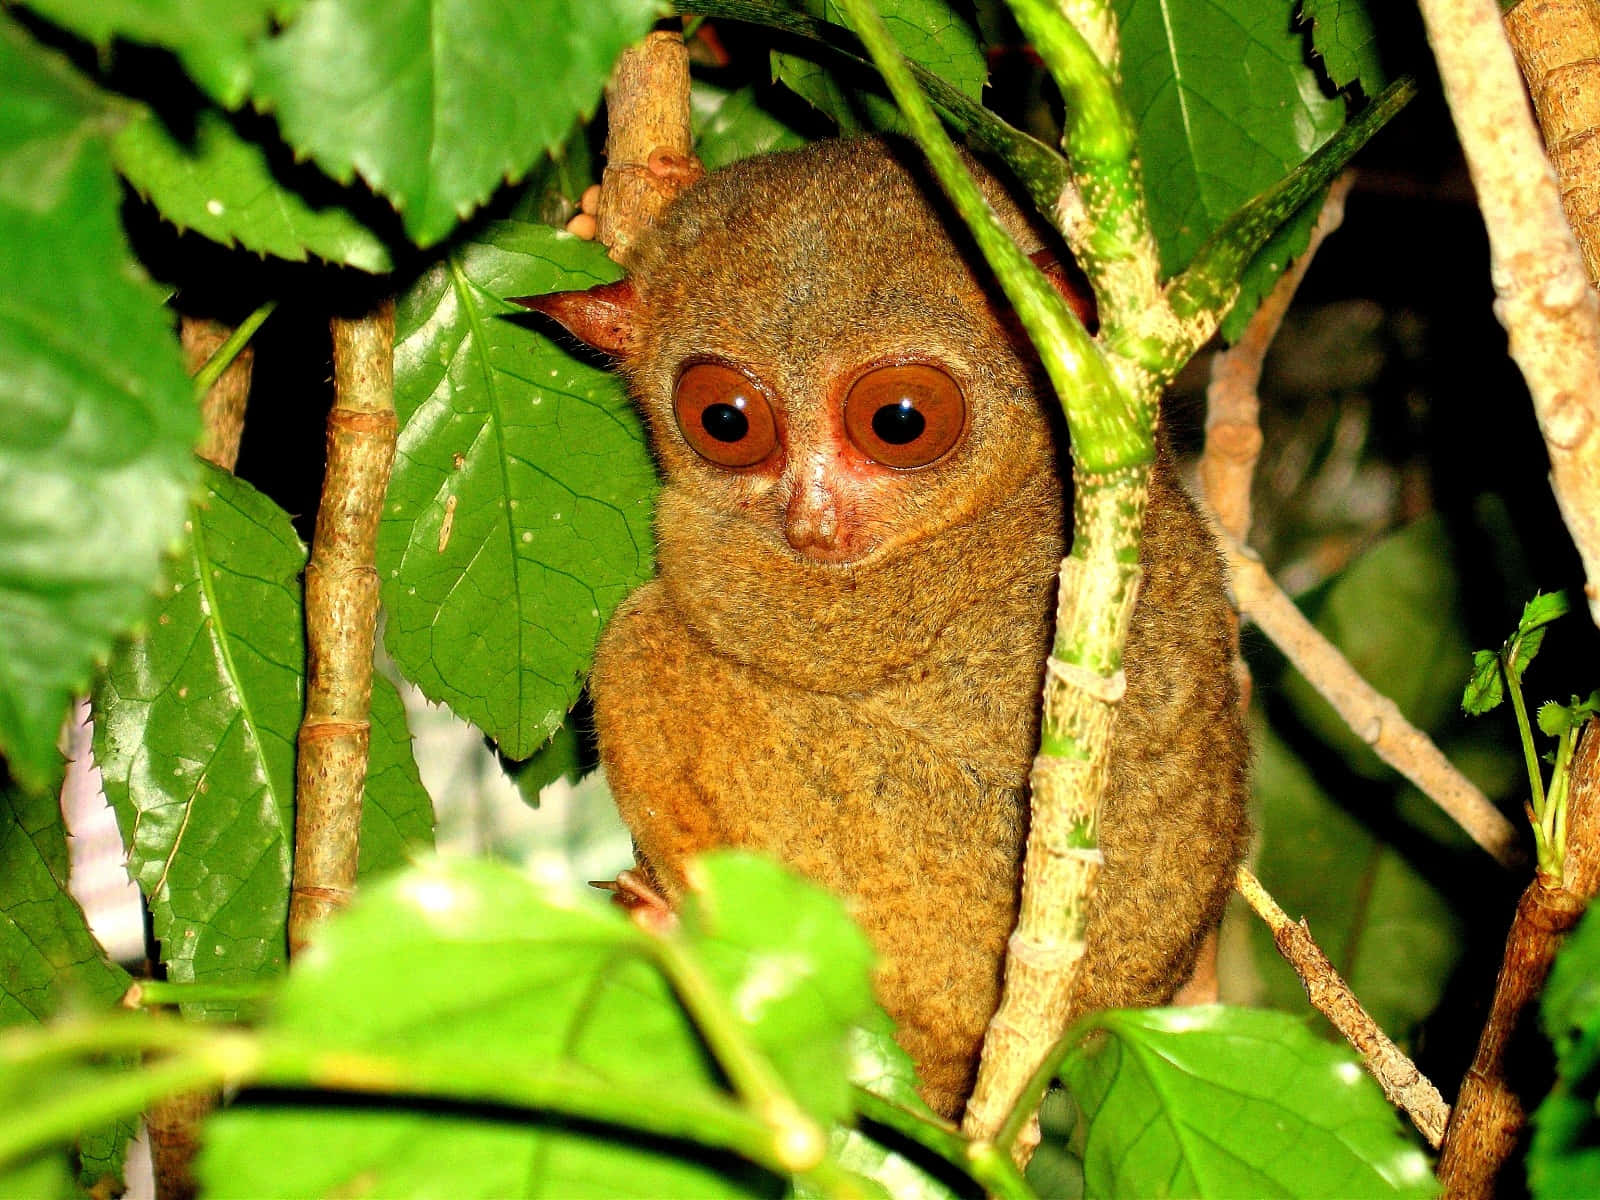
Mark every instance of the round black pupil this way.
pixel 898 424
pixel 724 422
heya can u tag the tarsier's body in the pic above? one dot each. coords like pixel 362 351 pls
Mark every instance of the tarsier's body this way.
pixel 840 661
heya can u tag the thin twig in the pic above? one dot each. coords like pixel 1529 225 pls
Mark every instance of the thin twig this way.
pixel 1373 716
pixel 1233 405
pixel 220 360
pixel 1406 1087
pixel 1551 314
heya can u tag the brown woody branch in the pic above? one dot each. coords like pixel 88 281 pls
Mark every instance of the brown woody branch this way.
pixel 1233 403
pixel 1551 314
pixel 1373 716
pixel 1557 45
pixel 341 620
pixel 1491 1109
pixel 1406 1087
pixel 649 144
pixel 222 408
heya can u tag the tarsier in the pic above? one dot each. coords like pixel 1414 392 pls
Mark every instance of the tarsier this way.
pixel 840 660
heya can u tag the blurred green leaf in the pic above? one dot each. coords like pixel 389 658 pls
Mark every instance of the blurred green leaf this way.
pixel 98 418
pixel 930 33
pixel 1395 614
pixel 210 37
pixel 1387 929
pixel 730 125
pixel 43 1177
pixel 1564 1153
pixel 222 186
pixel 518 515
pixel 1230 1102
pixel 436 103
pixel 1224 105
pixel 469 961
pixel 795 966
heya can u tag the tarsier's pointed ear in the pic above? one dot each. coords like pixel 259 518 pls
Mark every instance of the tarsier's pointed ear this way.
pixel 605 317
pixel 1072 283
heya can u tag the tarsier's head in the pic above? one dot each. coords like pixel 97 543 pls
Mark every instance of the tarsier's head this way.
pixel 827 376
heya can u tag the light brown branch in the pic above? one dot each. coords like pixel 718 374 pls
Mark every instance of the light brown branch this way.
pixel 649 145
pixel 1407 1088
pixel 1233 405
pixel 1373 716
pixel 1491 1109
pixel 222 410
pixel 1550 312
pixel 1557 45
pixel 341 619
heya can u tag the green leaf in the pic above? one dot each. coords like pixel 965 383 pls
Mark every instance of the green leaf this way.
pixel 435 103
pixel 1536 616
pixel 1225 105
pixel 1486 687
pixel 1345 37
pixel 518 513
pixel 796 967
pixel 1397 944
pixel 1411 654
pixel 210 37
pixel 1564 1154
pixel 222 186
pixel 568 755
pixel 730 125
pixel 1230 1102
pixel 930 33
pixel 98 419
pixel 471 962
pixel 396 812
pixel 43 1177
pixel 50 963
pixel 1554 719
pixel 195 727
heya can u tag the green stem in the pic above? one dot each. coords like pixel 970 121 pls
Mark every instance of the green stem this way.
pixel 986 1162
pixel 1108 431
pixel 206 377
pixel 802 1142
pixel 152 993
pixel 1530 754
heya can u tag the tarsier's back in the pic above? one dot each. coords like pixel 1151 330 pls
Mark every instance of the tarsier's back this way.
pixel 858 536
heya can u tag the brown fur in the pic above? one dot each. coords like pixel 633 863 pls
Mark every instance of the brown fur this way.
pixel 871 721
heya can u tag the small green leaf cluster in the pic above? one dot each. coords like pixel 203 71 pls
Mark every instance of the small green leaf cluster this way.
pixel 1497 674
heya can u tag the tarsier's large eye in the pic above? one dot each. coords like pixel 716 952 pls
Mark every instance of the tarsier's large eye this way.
pixel 906 415
pixel 723 416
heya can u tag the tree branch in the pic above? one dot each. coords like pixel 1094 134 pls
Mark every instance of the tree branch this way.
pixel 1549 310
pixel 1373 716
pixel 1406 1087
pixel 1491 1109
pixel 341 620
